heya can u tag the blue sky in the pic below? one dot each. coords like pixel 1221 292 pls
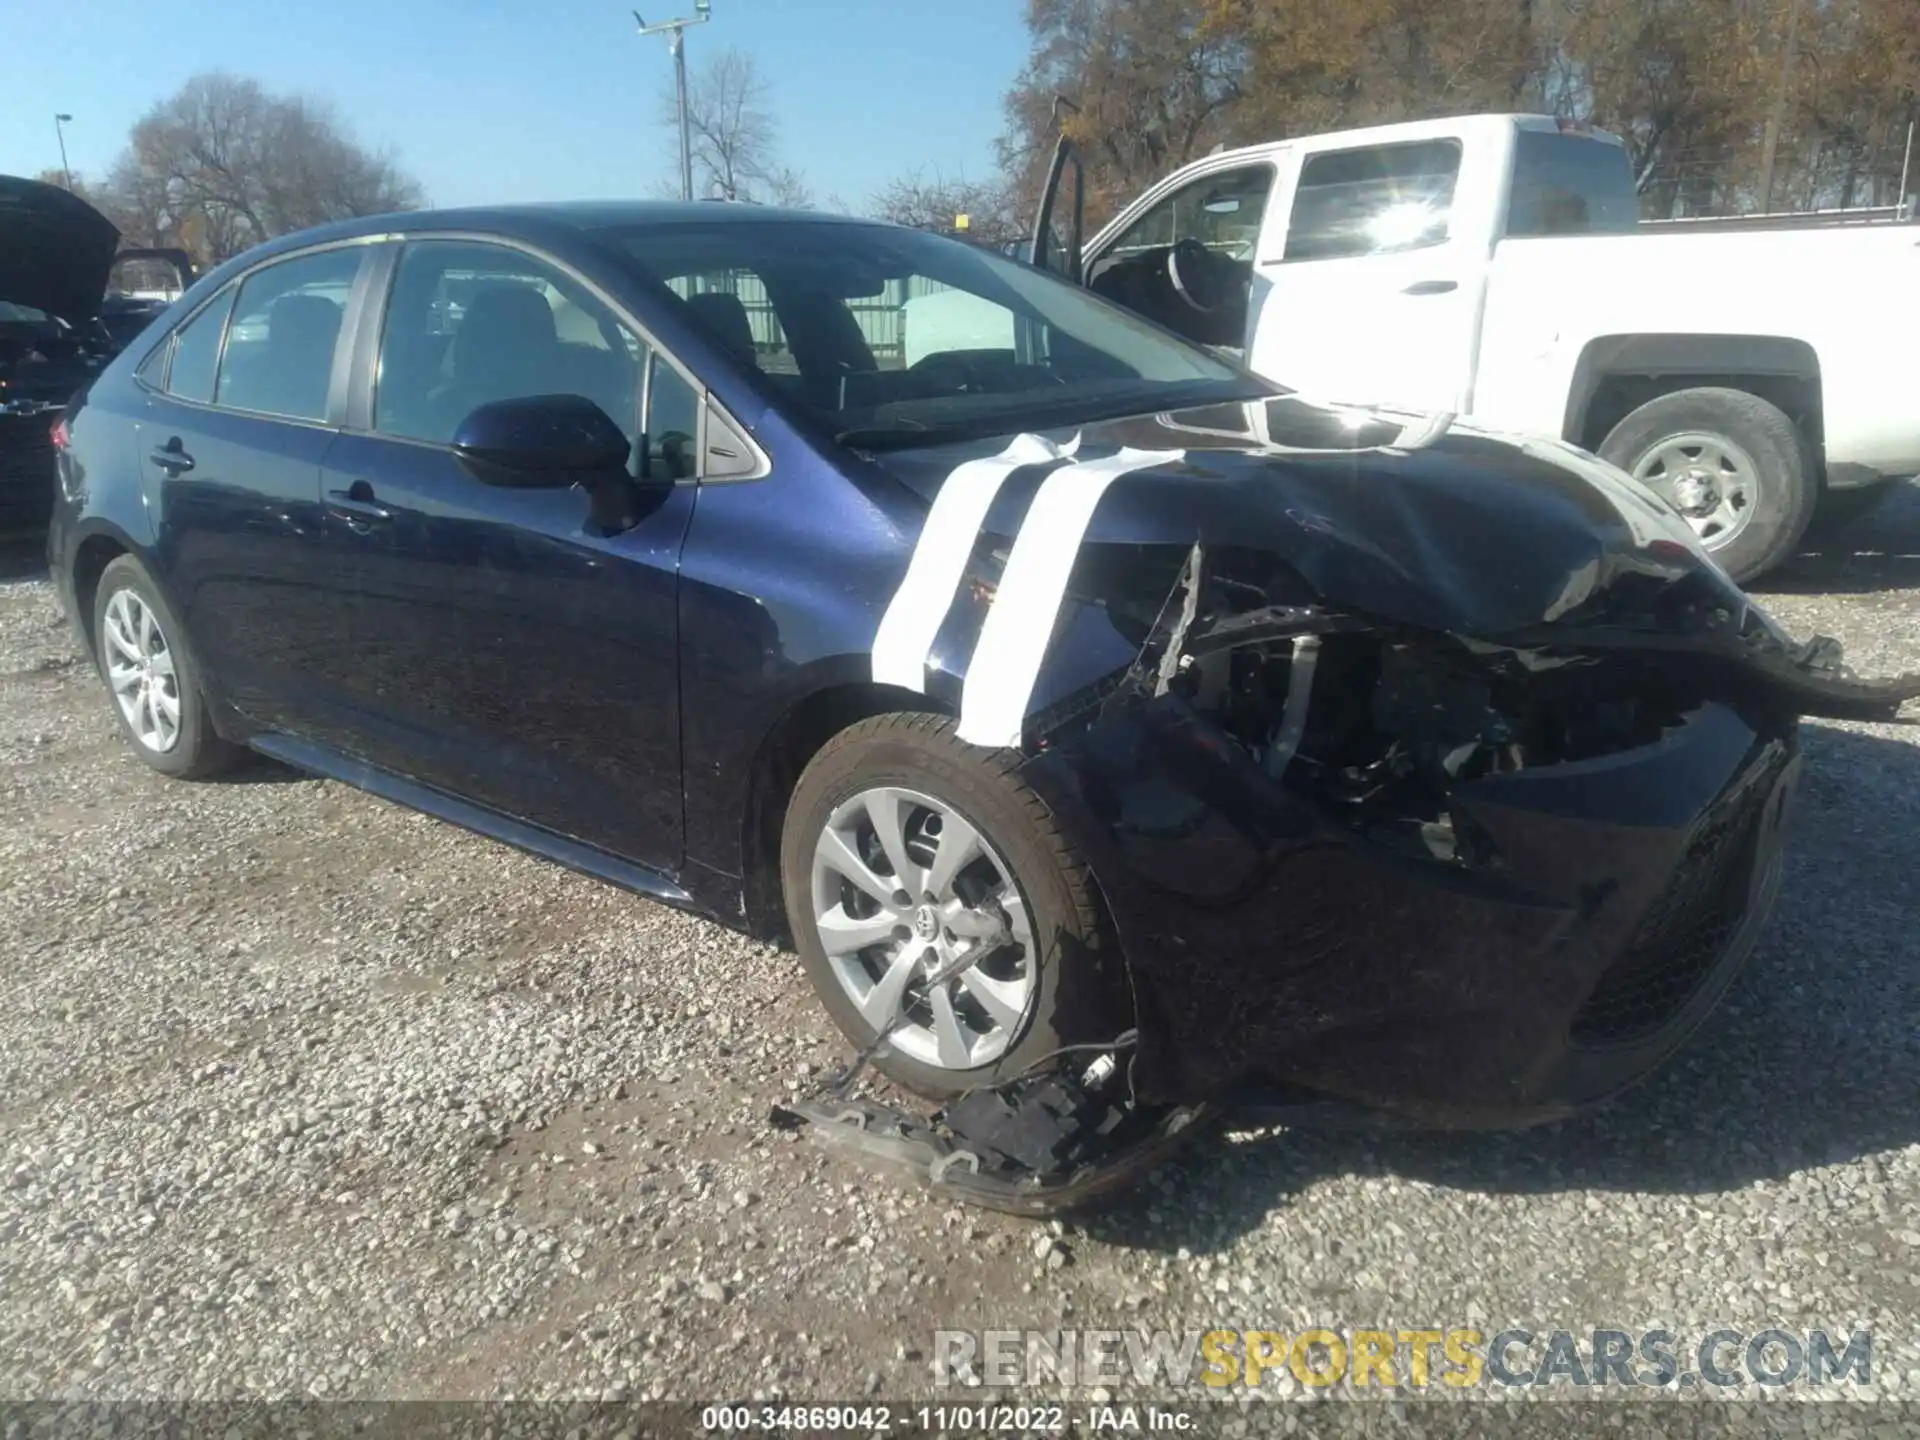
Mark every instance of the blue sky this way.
pixel 485 100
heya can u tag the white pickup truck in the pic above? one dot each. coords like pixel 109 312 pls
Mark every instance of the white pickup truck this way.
pixel 1495 267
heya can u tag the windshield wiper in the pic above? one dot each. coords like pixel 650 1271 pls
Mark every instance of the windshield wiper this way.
pixel 901 437
pixel 1074 410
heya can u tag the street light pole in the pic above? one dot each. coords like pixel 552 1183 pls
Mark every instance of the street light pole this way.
pixel 58 121
pixel 676 33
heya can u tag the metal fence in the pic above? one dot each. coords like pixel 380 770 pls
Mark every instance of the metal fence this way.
pixel 881 318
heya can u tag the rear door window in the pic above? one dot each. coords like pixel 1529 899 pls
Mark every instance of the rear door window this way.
pixel 196 350
pixel 1374 200
pixel 286 327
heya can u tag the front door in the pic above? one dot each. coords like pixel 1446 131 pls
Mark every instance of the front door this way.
pixel 1222 210
pixel 495 643
pixel 1372 292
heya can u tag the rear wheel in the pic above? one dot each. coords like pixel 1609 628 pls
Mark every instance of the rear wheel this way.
pixel 151 677
pixel 931 897
pixel 1731 463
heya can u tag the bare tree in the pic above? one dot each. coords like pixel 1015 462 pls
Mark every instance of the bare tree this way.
pixel 1153 82
pixel 937 203
pixel 225 164
pixel 734 137
pixel 1688 84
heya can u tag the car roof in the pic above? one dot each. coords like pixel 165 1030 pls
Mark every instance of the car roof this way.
pixel 545 217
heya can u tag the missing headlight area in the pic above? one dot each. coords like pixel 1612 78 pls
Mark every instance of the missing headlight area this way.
pixel 1379 725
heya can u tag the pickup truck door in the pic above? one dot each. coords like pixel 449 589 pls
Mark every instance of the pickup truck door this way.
pixel 1372 273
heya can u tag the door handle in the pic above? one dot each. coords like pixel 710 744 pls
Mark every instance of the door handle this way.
pixel 357 507
pixel 172 457
pixel 1430 287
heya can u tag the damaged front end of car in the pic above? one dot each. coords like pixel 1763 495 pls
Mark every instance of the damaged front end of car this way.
pixel 1370 871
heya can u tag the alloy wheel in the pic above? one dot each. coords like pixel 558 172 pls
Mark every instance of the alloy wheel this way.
pixel 141 671
pixel 923 927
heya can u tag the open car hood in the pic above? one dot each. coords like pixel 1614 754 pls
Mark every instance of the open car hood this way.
pixel 1416 521
pixel 56 250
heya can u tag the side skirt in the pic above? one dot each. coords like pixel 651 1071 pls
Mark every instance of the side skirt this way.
pixel 575 855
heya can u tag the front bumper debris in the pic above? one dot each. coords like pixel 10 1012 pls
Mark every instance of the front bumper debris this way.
pixel 1035 1147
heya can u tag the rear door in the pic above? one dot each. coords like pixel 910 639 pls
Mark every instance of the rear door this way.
pixel 1372 288
pixel 241 407
pixel 494 643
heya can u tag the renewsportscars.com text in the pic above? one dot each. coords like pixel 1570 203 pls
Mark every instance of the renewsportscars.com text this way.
pixel 1456 1358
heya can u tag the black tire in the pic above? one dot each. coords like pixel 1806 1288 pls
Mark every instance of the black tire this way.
pixel 196 752
pixel 1842 509
pixel 920 752
pixel 1786 490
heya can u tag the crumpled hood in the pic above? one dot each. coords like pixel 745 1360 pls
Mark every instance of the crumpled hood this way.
pixel 56 250
pixel 1428 523
pixel 1521 543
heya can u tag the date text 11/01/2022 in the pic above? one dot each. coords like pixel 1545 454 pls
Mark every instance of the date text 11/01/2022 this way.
pixel 949 1419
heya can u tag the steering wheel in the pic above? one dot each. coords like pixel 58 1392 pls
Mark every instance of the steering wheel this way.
pixel 946 370
pixel 1196 275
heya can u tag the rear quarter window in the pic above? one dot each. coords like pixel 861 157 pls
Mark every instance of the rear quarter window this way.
pixel 196 351
pixel 1570 185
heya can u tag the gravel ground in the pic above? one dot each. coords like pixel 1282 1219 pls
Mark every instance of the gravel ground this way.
pixel 301 1093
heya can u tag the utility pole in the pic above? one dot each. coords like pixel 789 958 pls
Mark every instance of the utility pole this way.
pixel 58 121
pixel 676 33
pixel 1906 165
pixel 1769 144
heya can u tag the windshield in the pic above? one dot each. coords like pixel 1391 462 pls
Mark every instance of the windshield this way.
pixel 892 337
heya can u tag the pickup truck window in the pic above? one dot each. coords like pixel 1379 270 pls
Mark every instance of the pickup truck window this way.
pixel 1570 185
pixel 1373 200
pixel 1222 211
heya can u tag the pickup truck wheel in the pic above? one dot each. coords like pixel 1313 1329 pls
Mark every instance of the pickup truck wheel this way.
pixel 1731 463
pixel 906 851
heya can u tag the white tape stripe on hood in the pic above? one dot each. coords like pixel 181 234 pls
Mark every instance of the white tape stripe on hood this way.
pixel 1013 641
pixel 914 616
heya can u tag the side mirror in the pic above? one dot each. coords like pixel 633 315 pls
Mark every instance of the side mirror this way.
pixel 541 441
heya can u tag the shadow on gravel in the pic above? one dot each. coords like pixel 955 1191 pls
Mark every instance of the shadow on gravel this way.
pixel 1813 1059
pixel 23 557
pixel 1879 551
pixel 257 769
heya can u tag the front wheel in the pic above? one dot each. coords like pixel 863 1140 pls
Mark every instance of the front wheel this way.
pixel 932 898
pixel 1731 463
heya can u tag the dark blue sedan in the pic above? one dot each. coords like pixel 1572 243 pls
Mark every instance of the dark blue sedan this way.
pixel 1075 703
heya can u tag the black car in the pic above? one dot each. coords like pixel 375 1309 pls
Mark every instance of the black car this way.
pixel 59 323
pixel 1112 735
